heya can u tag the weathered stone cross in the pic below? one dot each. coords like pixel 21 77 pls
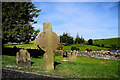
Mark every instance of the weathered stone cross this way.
pixel 48 41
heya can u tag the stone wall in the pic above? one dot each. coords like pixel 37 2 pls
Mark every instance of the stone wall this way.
pixel 97 54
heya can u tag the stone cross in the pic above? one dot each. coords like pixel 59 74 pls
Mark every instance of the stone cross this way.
pixel 48 41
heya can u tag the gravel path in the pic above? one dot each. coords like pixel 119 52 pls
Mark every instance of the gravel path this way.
pixel 8 74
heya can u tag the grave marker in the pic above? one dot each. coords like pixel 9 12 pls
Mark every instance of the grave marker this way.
pixel 48 41
pixel 73 56
pixel 23 58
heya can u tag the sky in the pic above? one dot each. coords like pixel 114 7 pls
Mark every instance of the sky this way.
pixel 92 20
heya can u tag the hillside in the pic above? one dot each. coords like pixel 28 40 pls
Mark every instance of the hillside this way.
pixel 82 47
pixel 108 42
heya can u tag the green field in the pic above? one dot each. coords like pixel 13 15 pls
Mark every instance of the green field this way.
pixel 108 42
pixel 82 47
pixel 84 67
pixel 31 45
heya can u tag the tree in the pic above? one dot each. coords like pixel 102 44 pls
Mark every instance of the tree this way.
pixel 74 48
pixel 67 39
pixel 90 42
pixel 17 20
pixel 77 39
pixel 82 39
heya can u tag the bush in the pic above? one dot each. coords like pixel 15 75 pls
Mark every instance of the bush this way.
pixel 90 42
pixel 88 49
pixel 74 48
pixel 97 45
pixel 60 47
pixel 102 45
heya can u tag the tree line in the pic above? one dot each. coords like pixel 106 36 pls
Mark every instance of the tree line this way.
pixel 68 40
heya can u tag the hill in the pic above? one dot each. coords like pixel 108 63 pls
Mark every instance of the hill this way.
pixel 108 42
pixel 83 46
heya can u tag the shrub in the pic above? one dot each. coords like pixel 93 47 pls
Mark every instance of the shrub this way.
pixel 90 42
pixel 60 47
pixel 88 49
pixel 74 48
pixel 98 45
pixel 102 45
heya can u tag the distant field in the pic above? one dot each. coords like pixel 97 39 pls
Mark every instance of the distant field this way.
pixel 31 45
pixel 84 67
pixel 82 47
pixel 108 42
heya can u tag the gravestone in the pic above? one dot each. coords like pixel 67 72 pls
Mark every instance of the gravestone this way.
pixel 48 41
pixel 64 54
pixel 73 56
pixel 23 58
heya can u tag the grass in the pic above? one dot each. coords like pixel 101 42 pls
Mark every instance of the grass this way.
pixel 31 45
pixel 83 46
pixel 84 67
pixel 108 42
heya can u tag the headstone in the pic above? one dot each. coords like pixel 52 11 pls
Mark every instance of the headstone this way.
pixel 69 52
pixel 65 54
pixel 73 56
pixel 48 41
pixel 23 58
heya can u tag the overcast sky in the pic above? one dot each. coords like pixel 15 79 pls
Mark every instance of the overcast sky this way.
pixel 92 20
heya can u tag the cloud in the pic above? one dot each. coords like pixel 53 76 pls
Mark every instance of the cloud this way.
pixel 87 19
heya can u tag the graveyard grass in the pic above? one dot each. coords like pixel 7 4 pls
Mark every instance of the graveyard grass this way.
pixel 84 67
